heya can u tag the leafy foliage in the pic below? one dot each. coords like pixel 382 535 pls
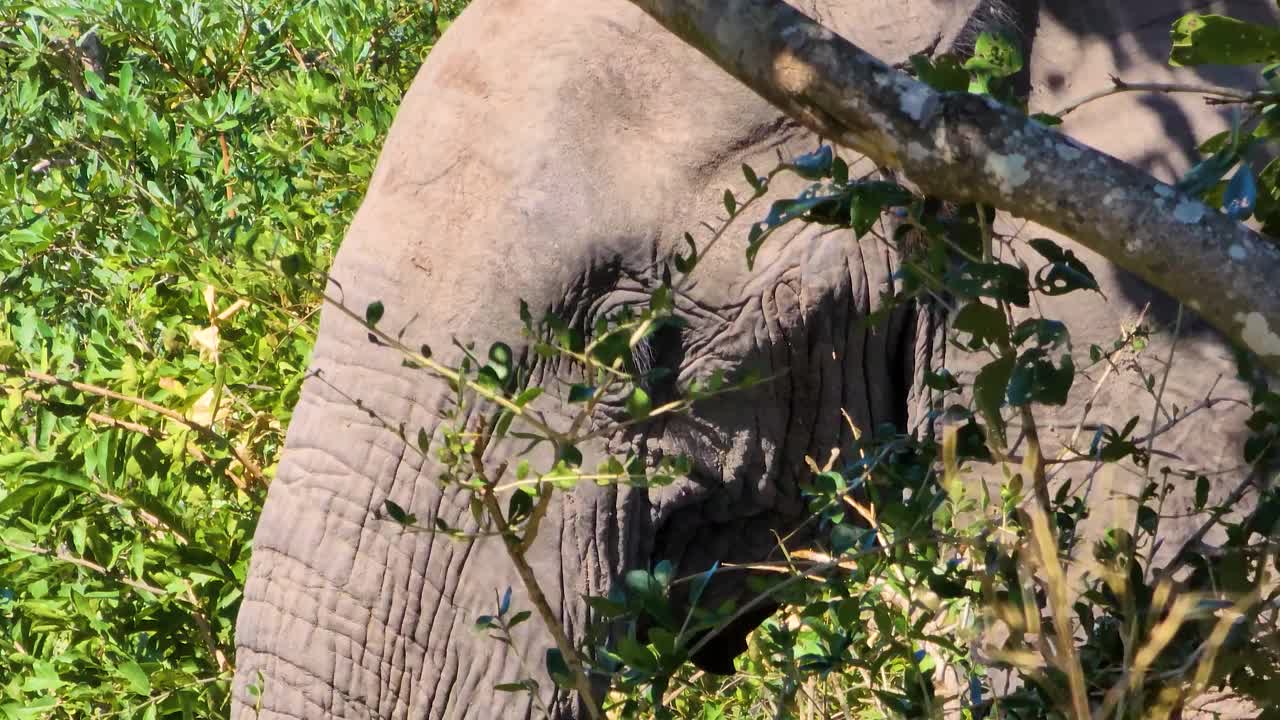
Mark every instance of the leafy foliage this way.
pixel 1214 39
pixel 154 156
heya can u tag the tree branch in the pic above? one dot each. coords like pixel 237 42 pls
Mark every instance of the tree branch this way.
pixel 1212 94
pixel 206 431
pixel 968 148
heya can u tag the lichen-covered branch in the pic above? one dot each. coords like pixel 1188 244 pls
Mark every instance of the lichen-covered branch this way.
pixel 968 148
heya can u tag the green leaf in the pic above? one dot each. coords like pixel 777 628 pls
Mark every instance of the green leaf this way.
pixel 500 360
pixel 519 507
pixel 663 572
pixel 942 380
pixel 527 396
pixel 1214 39
pixel 1202 491
pixel 845 537
pixel 1148 519
pixel 1206 174
pixel 1047 333
pixel 572 455
pixel 522 686
pixel 870 199
pixel 996 280
pixel 1035 378
pixel 638 404
pixel 1065 272
pixel 985 325
pixel 830 483
pixel 944 73
pixel 840 172
pixel 636 655
pixel 686 264
pixel 563 475
pixel 373 313
pixel 558 669
pixel 641 582
pixel 42 677
pixel 14 460
pixel 989 392
pixel 292 265
pixel 135 677
pixel 398 514
pixel 995 54
pixel 487 378
pixel 815 165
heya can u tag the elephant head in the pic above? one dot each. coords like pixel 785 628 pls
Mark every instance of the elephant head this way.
pixel 555 152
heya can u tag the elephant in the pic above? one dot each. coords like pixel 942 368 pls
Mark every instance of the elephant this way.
pixel 552 152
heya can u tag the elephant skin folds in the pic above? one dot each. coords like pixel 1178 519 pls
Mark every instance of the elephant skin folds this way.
pixel 549 152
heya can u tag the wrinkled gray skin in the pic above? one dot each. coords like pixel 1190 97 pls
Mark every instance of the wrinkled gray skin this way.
pixel 551 151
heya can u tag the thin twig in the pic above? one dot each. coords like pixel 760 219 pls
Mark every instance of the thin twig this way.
pixel 1097 387
pixel 70 559
pixel 159 435
pixel 1119 86
pixel 1221 508
pixel 515 550
pixel 203 430
pixel 206 632
pixel 447 373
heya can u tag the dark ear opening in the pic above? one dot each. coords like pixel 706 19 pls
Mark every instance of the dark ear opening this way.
pixel 657 361
pixel 717 655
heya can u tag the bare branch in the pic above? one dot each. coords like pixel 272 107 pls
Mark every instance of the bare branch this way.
pixel 206 431
pixel 1212 94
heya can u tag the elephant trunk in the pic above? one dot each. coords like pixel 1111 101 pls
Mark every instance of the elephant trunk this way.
pixel 348 613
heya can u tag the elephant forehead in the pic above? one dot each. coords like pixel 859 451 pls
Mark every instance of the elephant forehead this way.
pixel 893 30
pixel 577 128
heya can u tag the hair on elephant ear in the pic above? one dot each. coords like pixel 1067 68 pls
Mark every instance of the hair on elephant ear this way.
pixel 1016 18
pixel 657 363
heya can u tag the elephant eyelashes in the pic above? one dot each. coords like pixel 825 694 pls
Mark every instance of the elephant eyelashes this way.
pixel 657 361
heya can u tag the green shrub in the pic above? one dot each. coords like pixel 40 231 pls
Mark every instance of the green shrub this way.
pixel 154 156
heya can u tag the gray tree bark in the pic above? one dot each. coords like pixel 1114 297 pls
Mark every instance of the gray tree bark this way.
pixel 968 148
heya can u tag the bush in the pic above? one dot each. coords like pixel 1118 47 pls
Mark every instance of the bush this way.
pixel 153 157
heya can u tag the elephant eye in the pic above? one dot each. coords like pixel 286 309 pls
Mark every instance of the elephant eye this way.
pixel 657 361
